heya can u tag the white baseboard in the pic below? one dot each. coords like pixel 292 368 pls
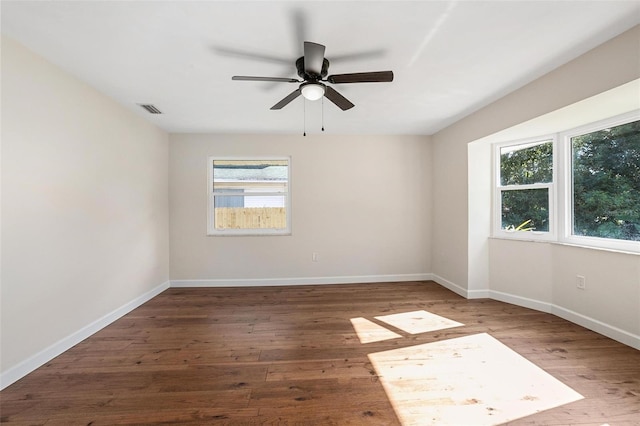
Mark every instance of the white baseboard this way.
pixel 592 324
pixel 610 331
pixel 525 302
pixel 266 282
pixel 478 294
pixel 20 370
pixel 467 294
pixel 451 286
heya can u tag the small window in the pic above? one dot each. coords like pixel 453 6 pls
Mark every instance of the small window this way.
pixel 525 188
pixel 249 196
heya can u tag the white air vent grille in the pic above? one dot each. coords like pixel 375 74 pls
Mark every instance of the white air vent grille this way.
pixel 151 108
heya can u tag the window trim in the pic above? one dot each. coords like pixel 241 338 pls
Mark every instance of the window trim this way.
pixel 211 229
pixel 497 230
pixel 561 227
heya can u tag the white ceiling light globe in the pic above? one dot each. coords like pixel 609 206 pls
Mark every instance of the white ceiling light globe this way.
pixel 312 91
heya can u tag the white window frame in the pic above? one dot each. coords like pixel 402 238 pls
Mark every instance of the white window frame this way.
pixel 560 191
pixel 566 193
pixel 211 229
pixel 498 189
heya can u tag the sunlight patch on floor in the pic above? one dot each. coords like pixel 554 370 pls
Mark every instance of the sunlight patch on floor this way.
pixel 418 322
pixel 369 332
pixel 467 380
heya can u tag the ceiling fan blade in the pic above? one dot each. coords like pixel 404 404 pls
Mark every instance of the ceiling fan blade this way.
pixel 291 96
pixel 362 77
pixel 243 54
pixel 313 57
pixel 249 78
pixel 367 54
pixel 300 24
pixel 335 97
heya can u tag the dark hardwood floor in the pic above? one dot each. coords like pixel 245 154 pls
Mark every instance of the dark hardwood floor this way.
pixel 290 355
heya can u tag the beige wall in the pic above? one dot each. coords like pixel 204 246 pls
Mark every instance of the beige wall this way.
pixel 612 294
pixel 544 273
pixel 587 75
pixel 584 89
pixel 84 205
pixel 522 268
pixel 363 203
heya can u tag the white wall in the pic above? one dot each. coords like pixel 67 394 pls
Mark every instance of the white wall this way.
pixel 611 303
pixel 363 203
pixel 84 209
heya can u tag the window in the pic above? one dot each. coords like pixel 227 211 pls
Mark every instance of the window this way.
pixel 605 182
pixel 249 196
pixel 525 188
pixel 594 180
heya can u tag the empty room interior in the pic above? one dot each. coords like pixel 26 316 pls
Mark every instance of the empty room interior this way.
pixel 322 213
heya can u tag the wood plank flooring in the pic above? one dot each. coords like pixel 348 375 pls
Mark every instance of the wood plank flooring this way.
pixel 290 356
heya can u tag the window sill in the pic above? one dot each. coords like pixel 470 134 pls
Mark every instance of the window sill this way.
pixel 584 246
pixel 566 244
pixel 250 234
pixel 541 237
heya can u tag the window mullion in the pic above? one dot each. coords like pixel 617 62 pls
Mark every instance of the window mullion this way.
pixel 248 194
pixel 564 188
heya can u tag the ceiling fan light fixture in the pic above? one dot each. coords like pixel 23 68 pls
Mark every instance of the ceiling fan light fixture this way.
pixel 312 68
pixel 312 91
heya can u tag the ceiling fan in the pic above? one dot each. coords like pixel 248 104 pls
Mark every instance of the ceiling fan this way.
pixel 313 68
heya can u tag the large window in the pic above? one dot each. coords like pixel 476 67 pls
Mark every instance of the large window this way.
pixel 605 166
pixel 249 196
pixel 587 194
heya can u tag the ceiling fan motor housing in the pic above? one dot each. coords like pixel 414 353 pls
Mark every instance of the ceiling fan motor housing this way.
pixel 306 76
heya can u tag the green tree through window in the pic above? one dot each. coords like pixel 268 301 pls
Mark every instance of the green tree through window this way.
pixel 606 183
pixel 526 171
pixel 522 165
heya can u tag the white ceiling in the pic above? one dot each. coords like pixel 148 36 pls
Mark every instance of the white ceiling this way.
pixel 449 58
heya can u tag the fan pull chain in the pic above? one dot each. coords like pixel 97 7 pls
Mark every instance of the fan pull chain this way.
pixel 304 118
pixel 323 113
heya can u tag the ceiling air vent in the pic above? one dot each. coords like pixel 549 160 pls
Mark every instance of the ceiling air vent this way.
pixel 151 109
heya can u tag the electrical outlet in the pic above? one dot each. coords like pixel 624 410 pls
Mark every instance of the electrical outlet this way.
pixel 314 256
pixel 581 282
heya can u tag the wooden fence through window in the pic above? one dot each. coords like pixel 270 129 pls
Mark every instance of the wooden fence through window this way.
pixel 250 217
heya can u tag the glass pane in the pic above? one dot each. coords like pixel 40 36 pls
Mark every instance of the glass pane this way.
pixel 229 201
pixel 525 210
pixel 250 212
pixel 606 183
pixel 250 175
pixel 526 164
